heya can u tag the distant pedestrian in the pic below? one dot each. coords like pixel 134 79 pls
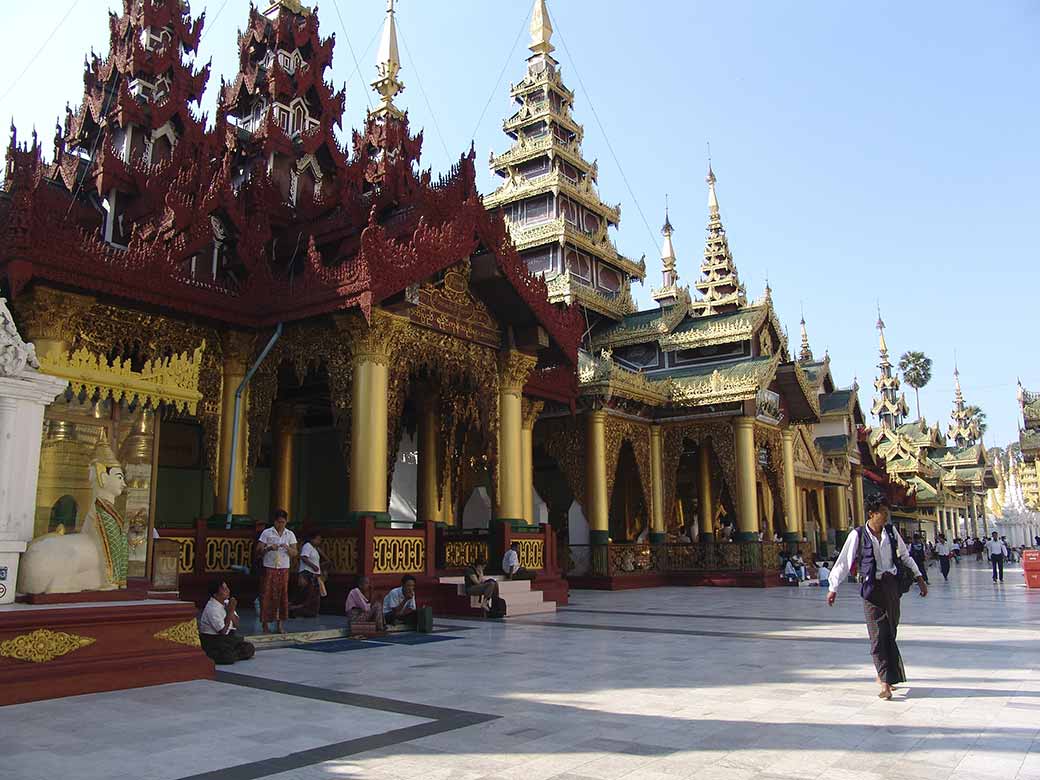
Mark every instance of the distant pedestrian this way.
pixel 997 553
pixel 917 552
pixel 943 551
pixel 875 550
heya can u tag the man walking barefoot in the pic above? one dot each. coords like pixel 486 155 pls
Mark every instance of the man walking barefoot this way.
pixel 876 549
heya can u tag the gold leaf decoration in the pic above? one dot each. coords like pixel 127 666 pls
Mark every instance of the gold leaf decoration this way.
pixel 186 633
pixel 43 645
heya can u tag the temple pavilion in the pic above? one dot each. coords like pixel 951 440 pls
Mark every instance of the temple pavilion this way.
pixel 257 317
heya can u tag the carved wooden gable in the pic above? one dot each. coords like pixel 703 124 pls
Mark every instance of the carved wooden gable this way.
pixel 450 307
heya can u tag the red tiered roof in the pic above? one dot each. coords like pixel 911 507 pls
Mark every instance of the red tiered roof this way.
pixel 377 226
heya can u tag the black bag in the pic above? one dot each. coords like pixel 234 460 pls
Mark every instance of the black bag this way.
pixel 904 574
pixel 498 607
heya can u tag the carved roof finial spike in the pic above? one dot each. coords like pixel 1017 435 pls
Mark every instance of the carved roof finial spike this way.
pixel 388 65
pixel 541 29
pixel 805 355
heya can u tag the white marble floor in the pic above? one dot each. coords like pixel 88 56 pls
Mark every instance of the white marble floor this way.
pixel 643 685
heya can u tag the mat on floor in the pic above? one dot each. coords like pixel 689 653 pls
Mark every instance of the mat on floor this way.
pixel 346 645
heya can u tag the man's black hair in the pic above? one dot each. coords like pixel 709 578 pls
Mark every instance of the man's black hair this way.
pixel 407 577
pixel 875 502
pixel 214 586
pixel 280 513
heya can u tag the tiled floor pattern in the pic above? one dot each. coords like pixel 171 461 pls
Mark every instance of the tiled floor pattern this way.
pixel 642 685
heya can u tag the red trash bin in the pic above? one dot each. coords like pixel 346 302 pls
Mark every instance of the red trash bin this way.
pixel 1031 568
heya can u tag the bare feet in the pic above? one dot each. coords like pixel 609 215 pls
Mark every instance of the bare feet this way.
pixel 886 692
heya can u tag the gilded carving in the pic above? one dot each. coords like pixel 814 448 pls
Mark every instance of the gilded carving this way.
pixel 461 553
pixel 342 551
pixel 186 633
pixel 514 368
pixel 224 552
pixel 532 553
pixel 398 554
pixel 772 440
pixel 43 645
pixel 723 446
pixel 449 306
pixel 617 431
pixel 377 341
pixel 565 442
pixel 186 562
pixel 531 410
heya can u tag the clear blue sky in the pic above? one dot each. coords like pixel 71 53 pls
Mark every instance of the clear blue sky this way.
pixel 864 151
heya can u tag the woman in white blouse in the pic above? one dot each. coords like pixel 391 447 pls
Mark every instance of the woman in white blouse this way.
pixel 278 545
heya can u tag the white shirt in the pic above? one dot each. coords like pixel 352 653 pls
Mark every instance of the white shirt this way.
pixel 211 621
pixel 882 556
pixel 510 562
pixel 395 598
pixel 309 553
pixel 277 559
pixel 995 547
pixel 824 573
pixel 943 548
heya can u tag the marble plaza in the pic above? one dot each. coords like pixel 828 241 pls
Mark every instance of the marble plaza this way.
pixel 659 683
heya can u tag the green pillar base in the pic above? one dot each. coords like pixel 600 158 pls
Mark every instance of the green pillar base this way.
pixel 219 520
pixel 747 536
pixel 599 537
pixel 353 519
pixel 792 537
pixel 658 538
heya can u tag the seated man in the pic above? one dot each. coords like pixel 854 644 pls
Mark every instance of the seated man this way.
pixel 476 585
pixel 361 608
pixel 217 627
pixel 399 605
pixel 511 564
pixel 790 574
pixel 824 572
pixel 799 565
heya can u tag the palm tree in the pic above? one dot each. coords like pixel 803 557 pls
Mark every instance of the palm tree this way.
pixel 917 372
pixel 976 415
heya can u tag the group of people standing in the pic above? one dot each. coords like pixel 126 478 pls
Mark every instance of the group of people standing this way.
pixel 279 550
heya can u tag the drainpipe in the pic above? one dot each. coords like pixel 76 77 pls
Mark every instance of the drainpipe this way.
pixel 234 424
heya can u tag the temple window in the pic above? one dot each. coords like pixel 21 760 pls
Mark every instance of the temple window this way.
pixel 536 209
pixel 579 265
pixel 299 119
pixel 591 222
pixel 141 89
pixel 282 117
pixel 537 131
pixel 569 171
pixel 539 261
pixel 608 278
pixel 286 61
pixel 568 211
pixel 162 89
pixel 534 168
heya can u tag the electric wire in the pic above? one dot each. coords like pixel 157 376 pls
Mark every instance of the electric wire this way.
pixel 350 47
pixel 606 138
pixel 505 66
pixel 212 22
pixel 418 81
pixel 39 51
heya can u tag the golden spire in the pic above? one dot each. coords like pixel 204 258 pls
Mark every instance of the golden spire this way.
pixel 388 65
pixel 541 29
pixel 720 287
pixel 713 200
pixel 669 292
pixel 806 354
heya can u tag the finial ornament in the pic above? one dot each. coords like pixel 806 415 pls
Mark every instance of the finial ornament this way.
pixel 541 29
pixel 388 65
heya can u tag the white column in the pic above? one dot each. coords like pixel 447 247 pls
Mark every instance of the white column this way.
pixel 24 392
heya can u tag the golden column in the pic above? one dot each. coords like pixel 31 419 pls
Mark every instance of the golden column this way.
pixel 531 410
pixel 513 369
pixel 837 509
pixel 792 514
pixel 747 497
pixel 821 510
pixel 657 533
pixel 238 348
pixel 705 500
pixel 286 423
pixel 429 503
pixel 858 508
pixel 374 347
pixel 596 506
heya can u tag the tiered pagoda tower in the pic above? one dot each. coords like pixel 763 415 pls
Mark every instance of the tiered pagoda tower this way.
pixel 556 218
pixel 279 113
pixel 889 404
pixel 805 354
pixel 136 114
pixel 720 287
pixel 963 429
pixel 669 293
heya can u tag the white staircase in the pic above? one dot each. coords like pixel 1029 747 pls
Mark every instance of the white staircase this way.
pixel 520 598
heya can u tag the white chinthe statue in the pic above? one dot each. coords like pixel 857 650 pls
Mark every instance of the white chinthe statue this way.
pixel 96 557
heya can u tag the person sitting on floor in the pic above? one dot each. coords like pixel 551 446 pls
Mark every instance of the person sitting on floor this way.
pixel 511 564
pixel 218 625
pixel 476 585
pixel 799 565
pixel 790 574
pixel 361 608
pixel 399 605
pixel 823 571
